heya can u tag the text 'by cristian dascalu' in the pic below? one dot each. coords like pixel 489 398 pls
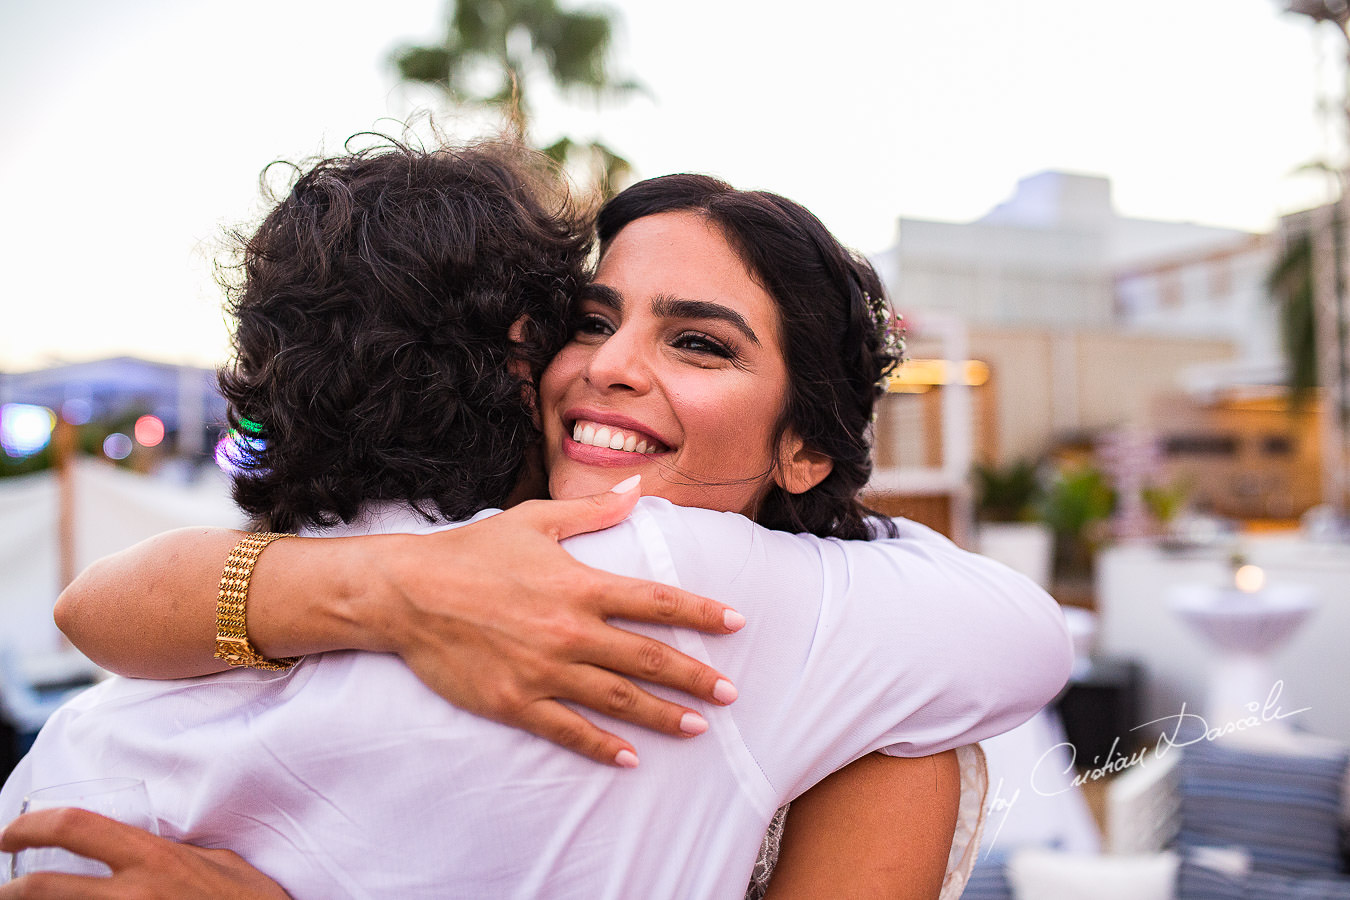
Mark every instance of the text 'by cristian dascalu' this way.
pixel 1048 776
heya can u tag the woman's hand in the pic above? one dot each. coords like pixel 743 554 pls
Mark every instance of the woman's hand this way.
pixel 494 616
pixel 143 865
pixel 500 620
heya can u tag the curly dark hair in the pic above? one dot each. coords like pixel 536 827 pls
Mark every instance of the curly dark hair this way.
pixel 835 355
pixel 373 347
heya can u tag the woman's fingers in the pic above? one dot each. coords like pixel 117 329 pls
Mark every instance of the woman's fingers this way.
pixel 628 598
pixel 557 724
pixel 619 698
pixel 639 656
pixel 79 831
pixel 56 886
pixel 564 518
pixel 620 597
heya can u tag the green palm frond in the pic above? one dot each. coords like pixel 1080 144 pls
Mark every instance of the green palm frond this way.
pixel 494 49
pixel 1290 283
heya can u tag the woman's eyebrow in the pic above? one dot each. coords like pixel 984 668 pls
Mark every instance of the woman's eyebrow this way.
pixel 603 294
pixel 668 306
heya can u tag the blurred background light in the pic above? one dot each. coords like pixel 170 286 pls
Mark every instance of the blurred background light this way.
pixel 77 411
pixel 925 373
pixel 1249 579
pixel 117 446
pixel 149 431
pixel 25 429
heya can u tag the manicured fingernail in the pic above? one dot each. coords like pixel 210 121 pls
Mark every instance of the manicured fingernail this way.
pixel 691 723
pixel 733 620
pixel 626 485
pixel 724 691
pixel 626 758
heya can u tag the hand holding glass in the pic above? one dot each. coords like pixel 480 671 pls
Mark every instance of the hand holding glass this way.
pixel 123 799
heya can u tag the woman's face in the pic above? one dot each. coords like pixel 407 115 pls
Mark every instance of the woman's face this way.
pixel 675 372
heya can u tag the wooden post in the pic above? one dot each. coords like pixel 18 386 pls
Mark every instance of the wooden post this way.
pixel 63 453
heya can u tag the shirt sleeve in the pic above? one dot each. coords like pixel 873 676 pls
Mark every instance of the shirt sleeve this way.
pixel 908 644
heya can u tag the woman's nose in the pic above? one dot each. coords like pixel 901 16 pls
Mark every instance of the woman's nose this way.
pixel 619 364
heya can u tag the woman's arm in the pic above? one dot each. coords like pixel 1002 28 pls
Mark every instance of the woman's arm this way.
pixel 517 623
pixel 880 827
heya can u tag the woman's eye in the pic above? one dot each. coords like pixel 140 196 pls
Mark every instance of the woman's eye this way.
pixel 701 343
pixel 591 326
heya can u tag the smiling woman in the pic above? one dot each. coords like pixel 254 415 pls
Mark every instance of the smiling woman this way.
pixel 668 356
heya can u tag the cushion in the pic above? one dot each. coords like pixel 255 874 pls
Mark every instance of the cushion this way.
pixel 1269 886
pixel 1213 873
pixel 1282 809
pixel 1038 874
pixel 1200 879
pixel 988 880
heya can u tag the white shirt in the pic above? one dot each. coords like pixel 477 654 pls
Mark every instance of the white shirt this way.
pixel 347 777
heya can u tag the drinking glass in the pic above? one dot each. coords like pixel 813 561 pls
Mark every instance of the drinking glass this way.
pixel 123 799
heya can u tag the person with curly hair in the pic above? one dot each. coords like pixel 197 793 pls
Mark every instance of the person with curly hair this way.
pixel 726 356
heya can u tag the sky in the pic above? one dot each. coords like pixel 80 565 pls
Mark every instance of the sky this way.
pixel 135 131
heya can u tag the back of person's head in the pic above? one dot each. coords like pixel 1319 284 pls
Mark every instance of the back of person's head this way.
pixel 829 303
pixel 373 351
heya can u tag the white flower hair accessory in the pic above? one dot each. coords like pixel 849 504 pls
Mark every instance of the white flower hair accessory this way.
pixel 890 328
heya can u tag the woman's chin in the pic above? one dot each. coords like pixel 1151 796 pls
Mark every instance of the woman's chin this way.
pixel 569 478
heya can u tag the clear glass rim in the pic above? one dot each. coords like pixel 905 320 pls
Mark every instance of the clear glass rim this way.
pixel 76 789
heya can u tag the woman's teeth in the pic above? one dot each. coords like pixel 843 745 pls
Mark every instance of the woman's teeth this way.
pixel 610 438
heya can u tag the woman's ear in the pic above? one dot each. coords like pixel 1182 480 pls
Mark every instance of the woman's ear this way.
pixel 799 468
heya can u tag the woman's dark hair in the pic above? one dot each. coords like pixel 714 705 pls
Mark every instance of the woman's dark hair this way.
pixel 373 347
pixel 835 354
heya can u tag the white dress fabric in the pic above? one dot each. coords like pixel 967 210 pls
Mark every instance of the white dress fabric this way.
pixel 345 776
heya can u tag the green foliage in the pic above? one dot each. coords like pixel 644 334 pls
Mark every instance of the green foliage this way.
pixel 425 64
pixel 1290 283
pixel 1165 501
pixel 1077 499
pixel 27 465
pixel 1009 493
pixel 1077 503
pixel 495 51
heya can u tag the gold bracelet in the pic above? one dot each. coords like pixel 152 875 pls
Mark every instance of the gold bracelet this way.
pixel 232 643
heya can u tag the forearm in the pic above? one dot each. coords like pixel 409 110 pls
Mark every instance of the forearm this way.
pixel 150 610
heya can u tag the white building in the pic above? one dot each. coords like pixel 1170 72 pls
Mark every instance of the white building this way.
pixel 1057 255
pixel 1085 318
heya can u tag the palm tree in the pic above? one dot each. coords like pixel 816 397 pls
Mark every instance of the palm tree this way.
pixel 495 51
pixel 1290 282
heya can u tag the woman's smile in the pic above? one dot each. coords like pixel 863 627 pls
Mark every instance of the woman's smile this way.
pixel 619 437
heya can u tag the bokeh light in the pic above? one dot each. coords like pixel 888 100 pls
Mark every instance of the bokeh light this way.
pixel 1249 579
pixel 77 411
pixel 149 431
pixel 117 446
pixel 25 429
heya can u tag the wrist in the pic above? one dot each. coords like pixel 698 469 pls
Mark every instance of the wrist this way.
pixel 372 610
pixel 314 595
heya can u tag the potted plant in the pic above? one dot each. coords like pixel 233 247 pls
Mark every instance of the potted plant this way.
pixel 1076 505
pixel 1006 500
pixel 1165 502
